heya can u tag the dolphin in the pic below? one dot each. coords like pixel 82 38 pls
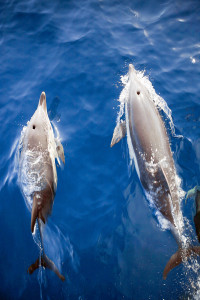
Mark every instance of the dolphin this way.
pixel 149 147
pixel 38 174
pixel 195 193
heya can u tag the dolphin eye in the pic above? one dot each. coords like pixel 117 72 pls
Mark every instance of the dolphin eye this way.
pixel 33 126
pixel 138 92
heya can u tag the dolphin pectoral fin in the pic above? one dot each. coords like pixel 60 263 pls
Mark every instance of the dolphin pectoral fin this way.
pixel 34 213
pixel 46 263
pixel 180 256
pixel 60 151
pixel 191 193
pixel 119 133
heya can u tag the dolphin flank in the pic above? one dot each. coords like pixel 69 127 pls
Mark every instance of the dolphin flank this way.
pixel 38 176
pixel 149 147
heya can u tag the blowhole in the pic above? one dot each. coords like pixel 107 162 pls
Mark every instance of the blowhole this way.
pixel 138 92
pixel 33 126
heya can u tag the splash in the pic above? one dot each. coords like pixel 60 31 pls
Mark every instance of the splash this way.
pixel 123 96
pixel 11 165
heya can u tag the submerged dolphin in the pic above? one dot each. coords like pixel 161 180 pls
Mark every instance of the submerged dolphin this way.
pixel 195 193
pixel 38 174
pixel 149 148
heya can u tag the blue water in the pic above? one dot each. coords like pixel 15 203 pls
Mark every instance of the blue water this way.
pixel 105 238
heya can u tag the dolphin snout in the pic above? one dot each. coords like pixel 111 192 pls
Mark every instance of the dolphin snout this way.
pixel 131 68
pixel 42 101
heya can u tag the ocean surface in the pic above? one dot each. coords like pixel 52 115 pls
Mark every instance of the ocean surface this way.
pixel 102 234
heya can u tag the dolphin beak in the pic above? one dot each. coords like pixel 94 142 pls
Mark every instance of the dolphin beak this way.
pixel 131 68
pixel 42 101
pixel 132 71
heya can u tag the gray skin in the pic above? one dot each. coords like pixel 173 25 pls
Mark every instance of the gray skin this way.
pixel 39 149
pixel 152 153
pixel 195 193
pixel 36 140
pixel 149 137
pixel 149 147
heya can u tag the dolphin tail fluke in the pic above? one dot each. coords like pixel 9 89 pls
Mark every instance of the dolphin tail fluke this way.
pixel 36 213
pixel 46 263
pixel 119 133
pixel 178 257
